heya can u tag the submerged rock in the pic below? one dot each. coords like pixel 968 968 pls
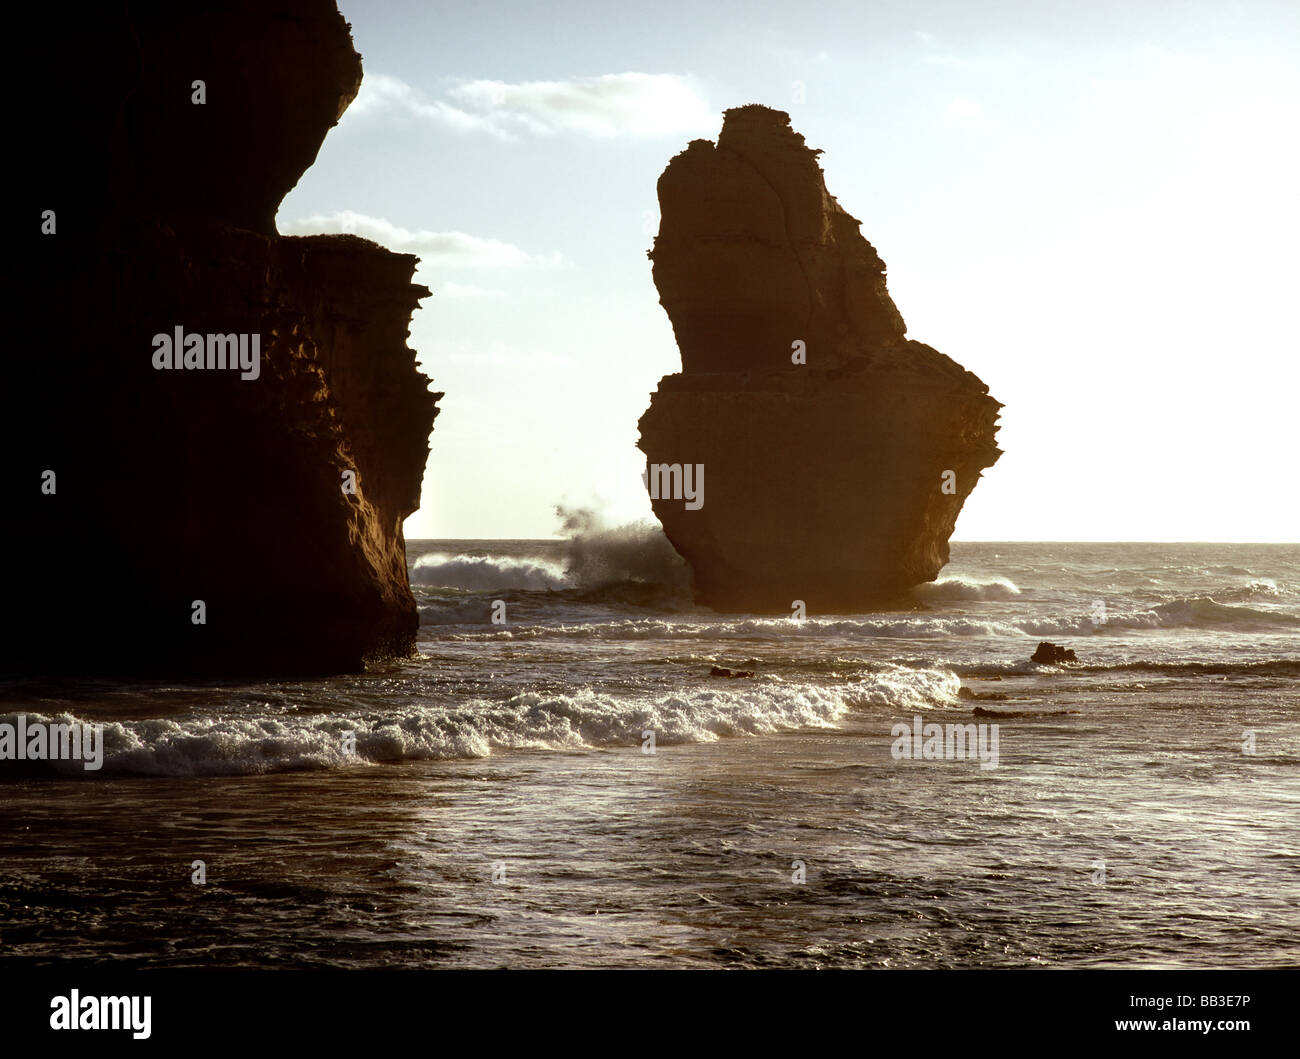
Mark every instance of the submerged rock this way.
pixel 1052 654
pixel 723 671
pixel 188 514
pixel 837 453
pixel 981 711
pixel 964 692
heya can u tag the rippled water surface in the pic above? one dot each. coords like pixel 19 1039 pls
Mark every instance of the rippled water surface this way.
pixel 500 808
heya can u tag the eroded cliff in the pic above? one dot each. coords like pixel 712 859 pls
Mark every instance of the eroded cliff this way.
pixel 161 470
pixel 835 453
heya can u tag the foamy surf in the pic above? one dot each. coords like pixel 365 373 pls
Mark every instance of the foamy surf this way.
pixel 593 554
pixel 1196 612
pixel 520 745
pixel 585 719
pixel 968 588
pixel 483 574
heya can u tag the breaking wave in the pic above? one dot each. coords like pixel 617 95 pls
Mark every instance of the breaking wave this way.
pixel 1182 613
pixel 961 588
pixel 482 574
pixel 597 554
pixel 532 720
pixel 596 557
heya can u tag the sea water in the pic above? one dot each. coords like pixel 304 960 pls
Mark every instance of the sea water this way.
pixel 558 781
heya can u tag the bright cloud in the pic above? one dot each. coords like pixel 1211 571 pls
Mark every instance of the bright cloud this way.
pixel 436 249
pixel 611 105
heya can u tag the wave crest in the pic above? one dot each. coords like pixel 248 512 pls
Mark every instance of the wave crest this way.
pixel 960 588
pixel 533 720
pixel 482 574
pixel 633 564
pixel 597 554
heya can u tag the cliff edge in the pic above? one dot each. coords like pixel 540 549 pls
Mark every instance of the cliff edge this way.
pixel 224 428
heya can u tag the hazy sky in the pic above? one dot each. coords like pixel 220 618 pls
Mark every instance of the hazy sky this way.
pixel 1091 205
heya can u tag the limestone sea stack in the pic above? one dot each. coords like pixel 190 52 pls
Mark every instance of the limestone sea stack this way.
pixel 224 428
pixel 808 450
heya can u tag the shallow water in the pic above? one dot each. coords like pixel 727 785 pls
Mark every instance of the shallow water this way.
pixel 501 811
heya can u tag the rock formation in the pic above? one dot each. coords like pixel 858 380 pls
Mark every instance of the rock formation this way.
pixel 831 455
pixel 272 491
pixel 723 671
pixel 1051 654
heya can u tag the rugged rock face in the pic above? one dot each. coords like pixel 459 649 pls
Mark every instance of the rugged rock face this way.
pixel 1052 654
pixel 272 491
pixel 836 453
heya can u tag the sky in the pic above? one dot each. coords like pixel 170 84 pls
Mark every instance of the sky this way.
pixel 1090 205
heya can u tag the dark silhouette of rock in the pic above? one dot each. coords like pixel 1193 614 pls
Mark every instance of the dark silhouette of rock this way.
pixel 184 484
pixel 981 711
pixel 278 74
pixel 1052 654
pixel 723 671
pixel 836 454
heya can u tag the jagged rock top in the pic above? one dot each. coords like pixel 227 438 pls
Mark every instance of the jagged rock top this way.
pixel 827 460
pixel 754 254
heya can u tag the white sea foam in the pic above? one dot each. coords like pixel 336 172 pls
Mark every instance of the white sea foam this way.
pixel 483 574
pixel 594 555
pixel 962 588
pixel 747 628
pixel 1193 612
pixel 584 718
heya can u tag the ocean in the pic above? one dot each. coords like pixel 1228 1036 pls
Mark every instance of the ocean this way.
pixel 559 781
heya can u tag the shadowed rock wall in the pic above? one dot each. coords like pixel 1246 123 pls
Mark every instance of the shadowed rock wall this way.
pixel 175 485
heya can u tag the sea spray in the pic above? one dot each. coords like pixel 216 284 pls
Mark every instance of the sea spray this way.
pixel 595 555
pixel 599 554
